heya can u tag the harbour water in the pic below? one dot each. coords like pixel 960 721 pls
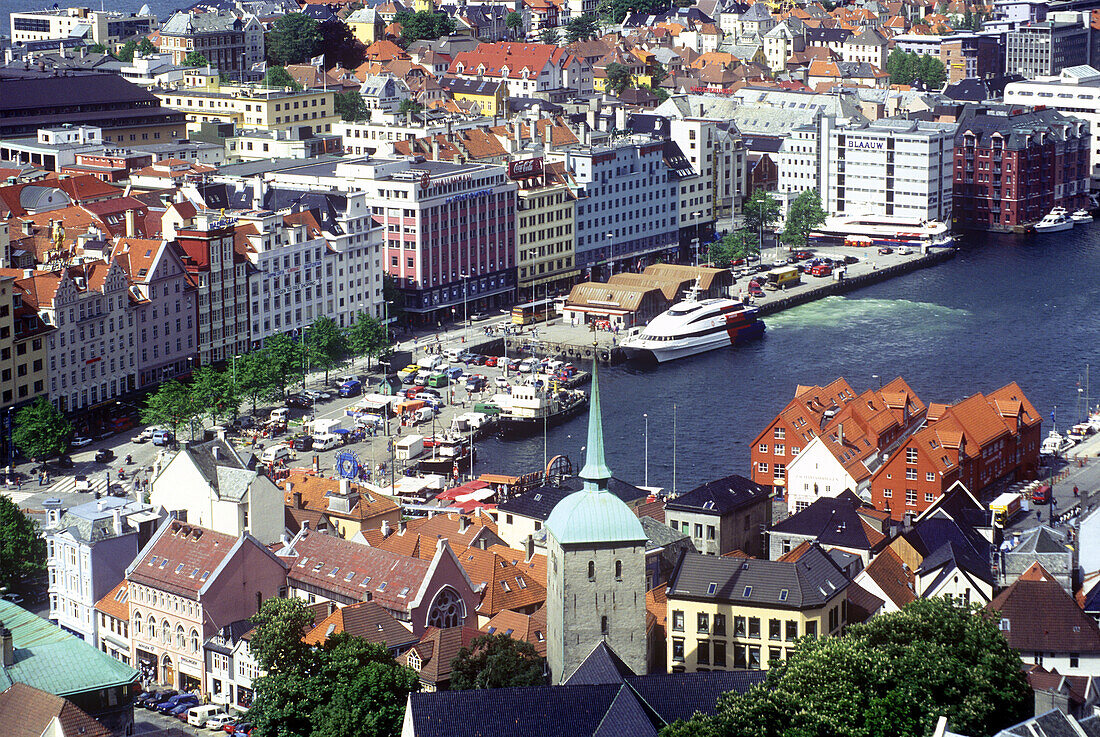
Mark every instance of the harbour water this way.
pixel 1008 308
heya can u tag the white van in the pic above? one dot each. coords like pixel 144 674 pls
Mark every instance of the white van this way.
pixel 197 715
pixel 424 414
pixel 430 363
pixel 451 354
pixel 326 441
pixel 341 380
pixel 280 414
pixel 275 453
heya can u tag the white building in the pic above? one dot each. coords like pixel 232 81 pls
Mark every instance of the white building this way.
pixel 816 472
pixel 1075 92
pixel 87 550
pixel 230 667
pixel 97 26
pixel 893 167
pixel 210 485
pixel 378 135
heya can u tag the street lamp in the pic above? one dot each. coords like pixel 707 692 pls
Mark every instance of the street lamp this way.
pixel 465 310
pixel 611 253
pixel 695 248
pixel 645 416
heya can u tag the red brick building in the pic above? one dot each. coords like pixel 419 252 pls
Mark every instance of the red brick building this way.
pixel 979 441
pixel 861 425
pixel 1013 164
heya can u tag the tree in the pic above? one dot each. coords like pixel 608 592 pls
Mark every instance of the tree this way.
pixel 514 23
pixel 294 39
pixel 581 28
pixel 351 106
pixel 760 210
pixel 41 431
pixel 895 675
pixel 347 686
pixel 618 77
pixel 213 392
pixel 932 72
pixel 255 377
pixel 548 35
pixel 657 74
pixel 280 77
pixel 22 548
pixel 368 337
pixel 615 11
pixel 287 362
pixel 146 47
pixel 423 25
pixel 739 243
pixel 126 53
pixel 97 48
pixel 195 59
pixel 340 46
pixel 409 105
pixel 326 344
pixel 805 214
pixel 171 407
pixel 496 661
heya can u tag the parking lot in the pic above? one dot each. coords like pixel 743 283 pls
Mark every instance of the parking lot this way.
pixel 152 724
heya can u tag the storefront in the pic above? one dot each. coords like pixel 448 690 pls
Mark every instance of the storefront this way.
pixel 147 666
pixel 190 672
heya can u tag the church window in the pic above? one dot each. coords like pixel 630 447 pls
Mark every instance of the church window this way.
pixel 447 610
pixel 604 626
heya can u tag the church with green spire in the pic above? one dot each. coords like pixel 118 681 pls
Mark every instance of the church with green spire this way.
pixel 595 590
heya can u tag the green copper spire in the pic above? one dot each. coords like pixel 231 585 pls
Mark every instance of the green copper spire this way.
pixel 595 472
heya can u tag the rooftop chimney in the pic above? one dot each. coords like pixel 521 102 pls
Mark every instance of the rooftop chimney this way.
pixel 463 523
pixel 529 547
pixel 99 505
pixel 215 452
pixel 131 224
pixel 386 529
pixel 116 518
pixel 297 497
pixel 7 645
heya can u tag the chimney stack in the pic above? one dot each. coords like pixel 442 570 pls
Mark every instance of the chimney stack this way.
pixel 297 497
pixel 116 518
pixel 386 529
pixel 131 224
pixel 463 523
pixel 7 645
pixel 529 547
pixel 435 148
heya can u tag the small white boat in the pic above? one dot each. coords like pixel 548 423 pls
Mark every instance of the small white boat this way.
pixel 1081 216
pixel 1057 219
pixel 1055 444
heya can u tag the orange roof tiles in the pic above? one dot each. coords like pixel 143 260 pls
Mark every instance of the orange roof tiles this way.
pixel 116 602
pixel 893 577
pixel 525 627
pixel 313 490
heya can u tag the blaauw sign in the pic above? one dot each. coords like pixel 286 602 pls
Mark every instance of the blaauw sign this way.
pixel 875 145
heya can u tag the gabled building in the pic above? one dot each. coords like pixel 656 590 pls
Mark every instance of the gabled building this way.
pixel 230 667
pixel 349 508
pixel 844 522
pixel 431 657
pixel 723 515
pixel 526 69
pixel 368 620
pixel 113 611
pixel 25 710
pixel 232 43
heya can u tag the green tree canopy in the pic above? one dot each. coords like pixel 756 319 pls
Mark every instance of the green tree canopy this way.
pixel 805 214
pixel 368 337
pixel 581 27
pixel 41 431
pixel 760 211
pixel 618 77
pixel 97 48
pixel 171 406
pixel 280 77
pixel 195 59
pixel 740 243
pixel 327 344
pixel 615 11
pixel 496 661
pixel 213 393
pixel 548 35
pixel 22 547
pixel 347 687
pixel 891 677
pixel 295 38
pixel 909 67
pixel 256 377
pixel 287 361
pixel 514 23
pixel 126 51
pixel 351 106
pixel 932 72
pixel 146 47
pixel 423 24
pixel 409 105
pixel 340 46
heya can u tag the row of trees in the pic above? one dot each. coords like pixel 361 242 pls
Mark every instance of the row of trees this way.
pixel 424 25
pixel 267 373
pixel 296 38
pixel 761 211
pixel 907 67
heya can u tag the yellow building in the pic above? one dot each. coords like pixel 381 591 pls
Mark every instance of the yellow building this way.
pixel 743 613
pixel 365 25
pixel 545 235
pixel 204 99
pixel 491 96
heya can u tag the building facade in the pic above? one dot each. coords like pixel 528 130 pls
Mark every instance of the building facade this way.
pixel 108 27
pixel 231 43
pixel 545 237
pixel 1045 48
pixel 207 100
pixel 723 516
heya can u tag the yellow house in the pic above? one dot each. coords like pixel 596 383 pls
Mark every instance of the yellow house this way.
pixel 491 96
pixel 365 25
pixel 743 613
pixel 251 106
pixel 639 74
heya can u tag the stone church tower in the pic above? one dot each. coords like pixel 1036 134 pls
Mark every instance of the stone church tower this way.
pixel 595 589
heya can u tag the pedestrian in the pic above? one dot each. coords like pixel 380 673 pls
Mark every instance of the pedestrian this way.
pixel 1038 516
pixel 1076 492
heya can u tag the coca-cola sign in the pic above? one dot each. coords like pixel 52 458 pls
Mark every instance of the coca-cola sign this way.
pixel 525 169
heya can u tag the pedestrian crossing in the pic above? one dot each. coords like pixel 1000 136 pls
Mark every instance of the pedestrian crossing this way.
pixel 68 485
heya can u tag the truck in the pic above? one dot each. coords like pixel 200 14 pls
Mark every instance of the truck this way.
pixel 1007 507
pixel 323 425
pixel 409 447
pixel 783 277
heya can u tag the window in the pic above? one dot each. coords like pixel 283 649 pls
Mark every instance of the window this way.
pixel 811 628
pixel 678 649
pixel 720 624
pixel 754 657
pixel 761 467
pixel 929 476
pixel 710 532
pixel 754 628
pixel 780 433
pixel 910 474
pixel 1074 660
pixel 677 621
pixel 699 531
pixel 792 630
pixel 887 493
pixel 618 570
pixel 703 625
pixel 194 640
pixel 929 497
pixel 702 652
pixel 181 639
pixel 911 497
pixel 739 627
pixel 747 592
pixel 763 448
pixel 774 629
pixel 591 570
pixel 604 628
pixel 718 653
pixel 910 455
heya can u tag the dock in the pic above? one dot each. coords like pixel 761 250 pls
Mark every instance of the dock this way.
pixel 560 340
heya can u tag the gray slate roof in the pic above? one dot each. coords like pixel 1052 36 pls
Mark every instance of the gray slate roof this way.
pixel 809 582
pixel 228 474
pixel 720 496
pixel 187 24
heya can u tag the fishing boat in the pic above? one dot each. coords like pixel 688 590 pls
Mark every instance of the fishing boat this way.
pixel 1055 444
pixel 530 407
pixel 452 454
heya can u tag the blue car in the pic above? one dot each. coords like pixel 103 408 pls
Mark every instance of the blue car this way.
pixel 182 707
pixel 185 698
pixel 453 372
pixel 351 389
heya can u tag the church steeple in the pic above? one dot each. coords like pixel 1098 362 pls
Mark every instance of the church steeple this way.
pixel 595 472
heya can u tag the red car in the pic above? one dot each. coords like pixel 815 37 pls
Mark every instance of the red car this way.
pixel 886 250
pixel 490 360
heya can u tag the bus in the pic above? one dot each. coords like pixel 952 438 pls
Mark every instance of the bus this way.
pixel 537 311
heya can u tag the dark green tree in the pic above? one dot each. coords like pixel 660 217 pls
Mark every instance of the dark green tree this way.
pixel 41 431
pixel 580 28
pixel 340 46
pixel 294 39
pixel 893 676
pixel 931 71
pixel 287 361
pixel 896 67
pixel 97 48
pixel 368 337
pixel 22 547
pixel 514 23
pixel 804 215
pixel 618 77
pixel 195 59
pixel 423 24
pixel 409 105
pixel 146 47
pixel 126 51
pixel 276 641
pixel 255 377
pixel 549 35
pixel 351 106
pixel 615 11
pixel 326 344
pixel 280 77
pixel 496 661
pixel 759 211
pixel 171 407
pixel 739 243
pixel 214 393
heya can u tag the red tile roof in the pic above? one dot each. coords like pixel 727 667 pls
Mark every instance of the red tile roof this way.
pixel 516 57
pixel 1042 617
pixel 116 602
pixel 526 627
pixel 181 559
pixel 368 620
pixel 26 711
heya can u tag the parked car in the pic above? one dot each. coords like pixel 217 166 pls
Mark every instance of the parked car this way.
pixel 502 383
pixel 182 706
pixel 453 372
pixel 245 422
pixel 466 356
pixel 317 396
pixel 152 703
pixel 803 255
pixel 491 360
pixel 218 722
pixel 351 388
pixel 885 250
pixel 297 401
pixel 145 696
pixel 303 442
pixel 144 436
pixel 80 441
pixel 184 698
pixel 475 383
pixel 851 260
pixel 162 437
pixel 103 455
pixel 12 598
pixel 239 728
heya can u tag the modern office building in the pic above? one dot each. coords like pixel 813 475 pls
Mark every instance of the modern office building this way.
pixel 107 27
pixel 1047 47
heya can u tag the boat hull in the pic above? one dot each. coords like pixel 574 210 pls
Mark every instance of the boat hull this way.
pixel 518 426
pixel 646 351
pixel 446 466
pixel 1068 225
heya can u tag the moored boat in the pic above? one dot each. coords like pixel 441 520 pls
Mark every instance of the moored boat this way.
pixel 1081 216
pixel 1056 220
